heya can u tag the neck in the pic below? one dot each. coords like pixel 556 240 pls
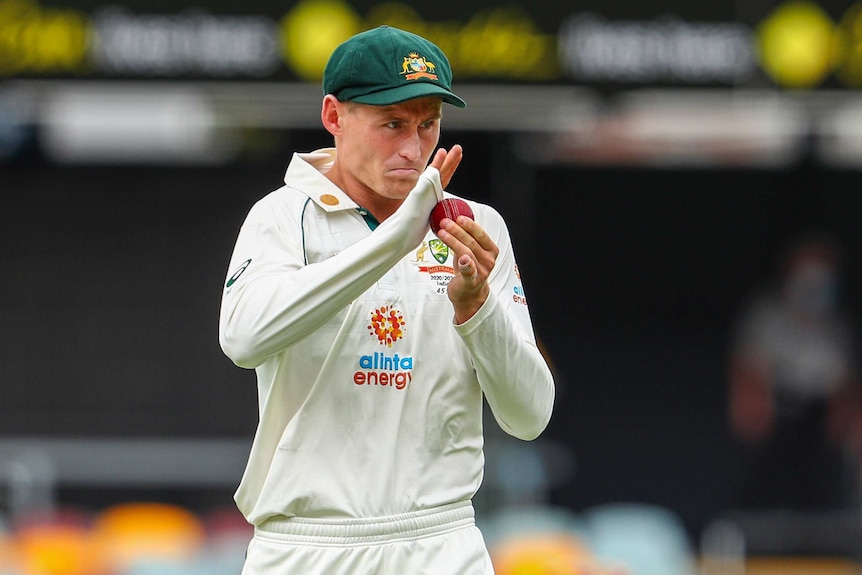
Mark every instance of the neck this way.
pixel 379 206
pixel 382 209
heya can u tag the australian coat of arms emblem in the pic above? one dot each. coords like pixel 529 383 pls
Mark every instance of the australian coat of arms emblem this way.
pixel 416 66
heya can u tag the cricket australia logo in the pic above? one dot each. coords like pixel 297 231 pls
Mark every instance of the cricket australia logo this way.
pixel 440 274
pixel 439 250
pixel 387 325
pixel 416 66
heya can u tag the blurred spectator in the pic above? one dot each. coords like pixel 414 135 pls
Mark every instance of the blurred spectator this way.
pixel 793 384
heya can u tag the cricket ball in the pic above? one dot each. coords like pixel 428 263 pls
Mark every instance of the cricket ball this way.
pixel 449 208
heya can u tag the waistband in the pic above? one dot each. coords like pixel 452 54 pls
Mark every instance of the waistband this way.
pixel 361 531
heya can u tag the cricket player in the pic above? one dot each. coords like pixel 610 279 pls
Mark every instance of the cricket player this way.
pixel 375 341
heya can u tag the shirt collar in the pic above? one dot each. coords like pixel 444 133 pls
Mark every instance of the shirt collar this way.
pixel 306 173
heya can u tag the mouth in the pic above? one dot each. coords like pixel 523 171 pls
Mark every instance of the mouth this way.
pixel 403 173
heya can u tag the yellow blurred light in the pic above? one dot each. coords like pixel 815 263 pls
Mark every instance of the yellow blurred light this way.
pixel 59 550
pixel 131 531
pixel 541 554
pixel 42 40
pixel 850 71
pixel 312 30
pixel 799 44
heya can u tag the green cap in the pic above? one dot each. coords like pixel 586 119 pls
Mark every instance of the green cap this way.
pixel 385 66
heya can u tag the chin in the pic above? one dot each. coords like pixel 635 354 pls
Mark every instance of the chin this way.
pixel 399 190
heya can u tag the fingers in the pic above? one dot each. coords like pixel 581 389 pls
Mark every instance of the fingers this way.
pixel 469 289
pixel 475 251
pixel 447 162
pixel 450 164
pixel 439 158
pixel 466 235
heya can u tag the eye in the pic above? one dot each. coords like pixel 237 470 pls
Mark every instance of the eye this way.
pixel 394 124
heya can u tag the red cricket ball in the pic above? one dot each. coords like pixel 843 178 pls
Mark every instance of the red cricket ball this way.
pixel 449 208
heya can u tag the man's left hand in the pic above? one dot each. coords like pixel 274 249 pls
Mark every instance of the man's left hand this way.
pixel 475 255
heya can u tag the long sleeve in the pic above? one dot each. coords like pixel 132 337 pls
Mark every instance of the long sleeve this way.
pixel 512 372
pixel 277 300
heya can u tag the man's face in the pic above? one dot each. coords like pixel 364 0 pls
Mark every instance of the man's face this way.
pixel 811 284
pixel 383 149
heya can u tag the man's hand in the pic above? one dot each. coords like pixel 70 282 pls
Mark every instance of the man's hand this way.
pixel 752 407
pixel 447 162
pixel 475 256
pixel 475 252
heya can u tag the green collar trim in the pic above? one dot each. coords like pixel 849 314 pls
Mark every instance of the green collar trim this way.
pixel 369 218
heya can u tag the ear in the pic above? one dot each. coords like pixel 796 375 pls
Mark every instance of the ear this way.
pixel 331 113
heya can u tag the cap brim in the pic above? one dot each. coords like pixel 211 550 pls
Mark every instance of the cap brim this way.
pixel 409 92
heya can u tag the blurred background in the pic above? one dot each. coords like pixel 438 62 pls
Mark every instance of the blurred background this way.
pixel 682 184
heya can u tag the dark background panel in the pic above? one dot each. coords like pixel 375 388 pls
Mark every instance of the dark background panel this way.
pixel 112 279
pixel 639 279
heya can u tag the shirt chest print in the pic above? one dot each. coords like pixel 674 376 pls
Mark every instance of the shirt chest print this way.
pixel 431 259
pixel 385 369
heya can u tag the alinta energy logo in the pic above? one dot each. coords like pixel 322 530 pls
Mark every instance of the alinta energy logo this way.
pixel 380 369
pixel 387 325
pixel 519 295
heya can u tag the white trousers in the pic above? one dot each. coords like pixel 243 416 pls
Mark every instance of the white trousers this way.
pixel 440 541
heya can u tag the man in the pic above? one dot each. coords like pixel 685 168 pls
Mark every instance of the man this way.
pixel 794 384
pixel 374 341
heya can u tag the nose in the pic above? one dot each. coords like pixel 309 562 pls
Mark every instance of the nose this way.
pixel 411 148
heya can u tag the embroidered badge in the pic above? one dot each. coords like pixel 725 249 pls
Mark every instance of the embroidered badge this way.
pixel 329 200
pixel 439 250
pixel 415 66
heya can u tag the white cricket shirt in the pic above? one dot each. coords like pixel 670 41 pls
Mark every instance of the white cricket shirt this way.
pixel 370 398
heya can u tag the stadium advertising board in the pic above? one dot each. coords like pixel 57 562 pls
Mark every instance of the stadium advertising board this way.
pixel 788 44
